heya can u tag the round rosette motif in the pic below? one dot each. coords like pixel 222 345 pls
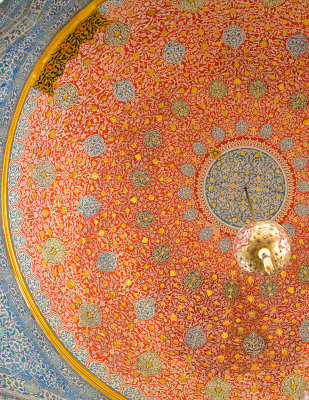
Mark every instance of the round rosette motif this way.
pixel 144 309
pixel 117 34
pixel 233 36
pixel 269 288
pixel 257 88
pixel 88 206
pixel 44 174
pixel 140 178
pixel 149 363
pixel 173 52
pixel 297 44
pixel 107 261
pixel 253 344
pixel 191 5
pixel 180 108
pixel 66 96
pixel 161 253
pixel 124 90
pixel 193 280
pixel 272 3
pixel 90 315
pixel 54 251
pixel 144 219
pixel 304 330
pixel 195 337
pixel 298 100
pixel 218 389
pixel 94 145
pixel 303 273
pixel 217 89
pixel 152 139
pixel 230 290
pixel 293 385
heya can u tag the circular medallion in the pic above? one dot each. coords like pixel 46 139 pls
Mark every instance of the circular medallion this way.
pixel 161 253
pixel 90 315
pixel 44 174
pixel 66 96
pixel 117 34
pixel 195 337
pixel 180 108
pixel 230 290
pixel 272 3
pixel 149 363
pixel 193 280
pixel 217 89
pixel 293 385
pixel 152 139
pixel 191 5
pixel 269 288
pixel 257 88
pixel 303 273
pixel 253 344
pixel 144 309
pixel 218 389
pixel 140 178
pixel 298 100
pixel 221 186
pixel 53 251
pixel 144 219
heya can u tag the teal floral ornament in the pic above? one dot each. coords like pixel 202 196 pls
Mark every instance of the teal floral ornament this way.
pixel 293 385
pixel 191 214
pixel 195 337
pixel 257 89
pixel 304 330
pixel 233 36
pixel 191 6
pixel 94 145
pixel 44 174
pixel 173 52
pixel 140 178
pixel 88 206
pixel 152 139
pixel 149 363
pixel 297 44
pixel 124 90
pixel 117 34
pixel 225 244
pixel 107 261
pixel 217 89
pixel 180 108
pixel 289 228
pixel 298 100
pixel 253 344
pixel 205 233
pixel 188 169
pixel 303 186
pixel 218 389
pixel 286 144
pixel 302 210
pixel 144 309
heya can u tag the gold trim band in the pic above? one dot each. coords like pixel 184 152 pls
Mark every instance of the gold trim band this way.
pixel 81 369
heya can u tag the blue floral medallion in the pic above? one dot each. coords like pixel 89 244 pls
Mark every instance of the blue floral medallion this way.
pixel 297 44
pixel 124 90
pixel 94 145
pixel 107 261
pixel 221 186
pixel 88 206
pixel 304 330
pixel 195 337
pixel 173 52
pixel 233 36
pixel 144 309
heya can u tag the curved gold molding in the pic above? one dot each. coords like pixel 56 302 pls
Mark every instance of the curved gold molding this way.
pixel 83 371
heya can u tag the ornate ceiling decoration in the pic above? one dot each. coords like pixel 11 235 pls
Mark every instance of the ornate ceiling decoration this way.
pixel 126 191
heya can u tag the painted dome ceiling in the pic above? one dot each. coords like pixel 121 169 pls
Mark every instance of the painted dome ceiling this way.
pixel 126 191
